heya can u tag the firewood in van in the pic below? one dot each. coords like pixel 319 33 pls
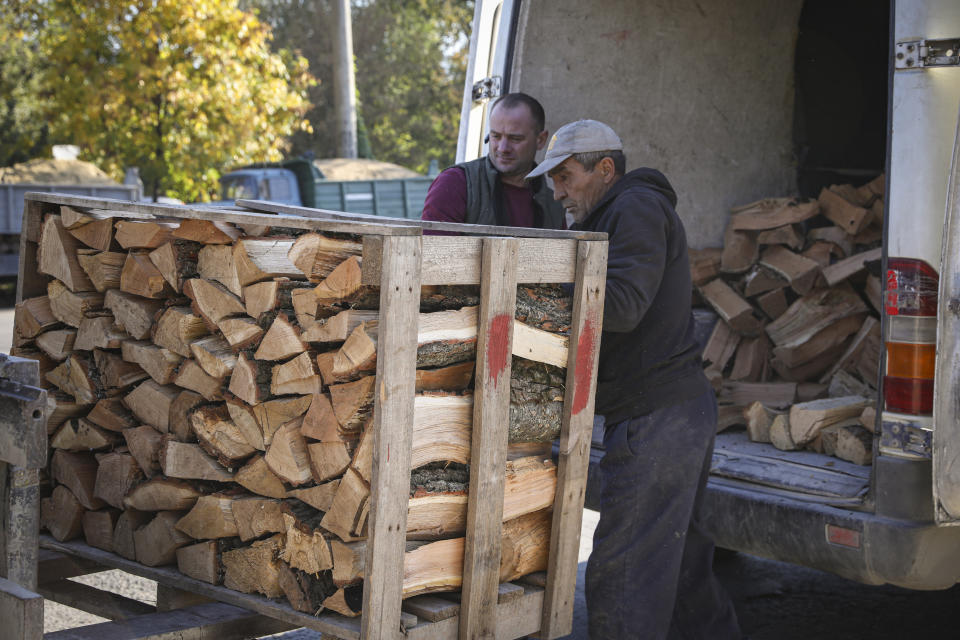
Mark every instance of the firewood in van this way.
pixel 869 333
pixel 788 235
pixel 720 347
pixel 834 235
pixel 733 309
pixel 808 418
pixel 855 444
pixel 859 197
pixel 821 252
pixel 776 395
pixel 771 213
pixel 761 279
pixel 844 269
pixel 780 433
pixel 844 383
pixel 704 265
pixel 773 303
pixel 759 418
pixel 177 261
pixel 752 360
pixel 812 313
pixel 740 251
pixel 134 313
pixel 808 370
pixel 827 339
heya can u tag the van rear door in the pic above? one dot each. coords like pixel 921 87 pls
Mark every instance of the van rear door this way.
pixel 488 72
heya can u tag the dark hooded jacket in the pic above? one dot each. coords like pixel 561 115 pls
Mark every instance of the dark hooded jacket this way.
pixel 649 358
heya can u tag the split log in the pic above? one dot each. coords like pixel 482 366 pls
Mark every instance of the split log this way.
pixel 99 331
pixel 771 213
pixel 287 455
pixel 192 376
pixel 241 333
pixel 298 376
pixel 254 569
pixel 729 415
pixel 306 592
pixel 809 370
pixel 78 472
pixel 34 316
pixel 319 497
pixel 57 344
pixel 346 601
pixel 344 519
pixel 250 380
pixel 840 271
pixel 456 377
pixel 151 403
pixel 821 252
pixel 808 418
pixel 156 543
pixel 328 460
pixel 219 436
pixel 869 331
pixel 777 395
pixel 780 433
pixel 834 235
pixel 129 521
pixel 117 374
pixel 105 268
pixel 259 259
pixel 214 356
pixel 61 407
pixel 73 218
pixel 812 313
pixel 98 528
pixel 159 363
pixel 773 303
pixel 210 517
pixel 202 561
pixel 319 422
pixel 215 262
pixel 704 265
pixel 256 516
pixel 827 339
pixel 845 215
pixel 135 234
pixel 733 309
pixel 759 418
pixel 337 328
pixel 212 301
pixel 844 383
pixel 177 261
pixel 306 307
pixel 257 477
pixel 353 402
pixel 854 444
pixel 177 328
pixel 112 414
pixel 787 235
pixel 860 197
pixel 206 231
pixel 82 435
pixel 69 307
pixel 144 444
pixel 305 548
pixel 343 283
pixel 752 361
pixel 141 277
pixel 62 514
pixel 189 462
pixel 281 341
pixel 740 251
pixel 162 494
pixel 78 377
pixel 441 429
pixel 316 255
pixel 800 272
pixel 57 256
pixel 761 279
pixel 274 414
pixel 720 347
pixel 245 420
pixel 133 313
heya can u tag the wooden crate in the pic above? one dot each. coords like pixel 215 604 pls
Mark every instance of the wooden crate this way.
pixel 398 258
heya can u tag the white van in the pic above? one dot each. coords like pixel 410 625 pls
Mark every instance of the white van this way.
pixel 737 100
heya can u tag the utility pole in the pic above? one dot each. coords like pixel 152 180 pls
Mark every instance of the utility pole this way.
pixel 344 82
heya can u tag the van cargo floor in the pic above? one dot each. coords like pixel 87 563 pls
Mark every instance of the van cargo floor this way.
pixel 821 478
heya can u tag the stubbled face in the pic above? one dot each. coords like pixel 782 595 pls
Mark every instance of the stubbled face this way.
pixel 514 140
pixel 578 190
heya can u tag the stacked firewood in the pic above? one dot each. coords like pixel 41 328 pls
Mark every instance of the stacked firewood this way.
pixel 211 397
pixel 795 353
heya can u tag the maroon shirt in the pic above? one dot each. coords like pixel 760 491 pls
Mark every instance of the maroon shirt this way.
pixel 447 200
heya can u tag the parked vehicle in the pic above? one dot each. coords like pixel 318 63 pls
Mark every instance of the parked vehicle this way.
pixel 298 182
pixel 716 96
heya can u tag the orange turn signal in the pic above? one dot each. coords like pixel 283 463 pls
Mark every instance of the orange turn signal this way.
pixel 911 360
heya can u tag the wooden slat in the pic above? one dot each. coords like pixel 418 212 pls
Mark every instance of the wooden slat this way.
pixel 392 436
pixel 475 229
pixel 21 612
pixel 488 457
pixel 53 566
pixel 108 208
pixel 200 622
pixel 92 600
pixel 334 624
pixel 575 436
pixel 516 618
pixel 449 260
pixel 30 282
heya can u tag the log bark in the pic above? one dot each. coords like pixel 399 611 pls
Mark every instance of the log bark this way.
pixel 254 569
pixel 177 261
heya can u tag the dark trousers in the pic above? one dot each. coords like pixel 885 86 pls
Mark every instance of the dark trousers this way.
pixel 650 574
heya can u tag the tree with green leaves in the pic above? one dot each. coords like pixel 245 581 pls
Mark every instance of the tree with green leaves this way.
pixel 24 133
pixel 179 89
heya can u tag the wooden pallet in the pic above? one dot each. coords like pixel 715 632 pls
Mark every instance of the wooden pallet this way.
pixel 398 258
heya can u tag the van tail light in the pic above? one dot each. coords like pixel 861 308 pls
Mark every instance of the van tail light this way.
pixel 910 302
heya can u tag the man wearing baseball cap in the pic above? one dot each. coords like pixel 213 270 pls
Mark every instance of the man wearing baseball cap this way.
pixel 650 574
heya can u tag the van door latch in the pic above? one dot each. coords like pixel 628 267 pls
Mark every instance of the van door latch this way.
pixel 487 88
pixel 919 54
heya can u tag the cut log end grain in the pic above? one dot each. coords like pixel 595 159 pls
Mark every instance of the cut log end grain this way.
pixel 219 435
pixel 254 569
pixel 62 514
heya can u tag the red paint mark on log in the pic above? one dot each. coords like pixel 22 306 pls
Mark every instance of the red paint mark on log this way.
pixel 497 346
pixel 586 345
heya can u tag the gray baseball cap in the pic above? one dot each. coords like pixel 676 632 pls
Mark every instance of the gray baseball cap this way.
pixel 581 136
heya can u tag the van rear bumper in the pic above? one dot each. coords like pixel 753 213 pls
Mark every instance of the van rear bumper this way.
pixel 909 554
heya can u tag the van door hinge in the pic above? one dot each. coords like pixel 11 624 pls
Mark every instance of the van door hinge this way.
pixel 919 54
pixel 487 88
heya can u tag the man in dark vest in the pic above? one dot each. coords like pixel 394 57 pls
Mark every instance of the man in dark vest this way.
pixel 492 190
